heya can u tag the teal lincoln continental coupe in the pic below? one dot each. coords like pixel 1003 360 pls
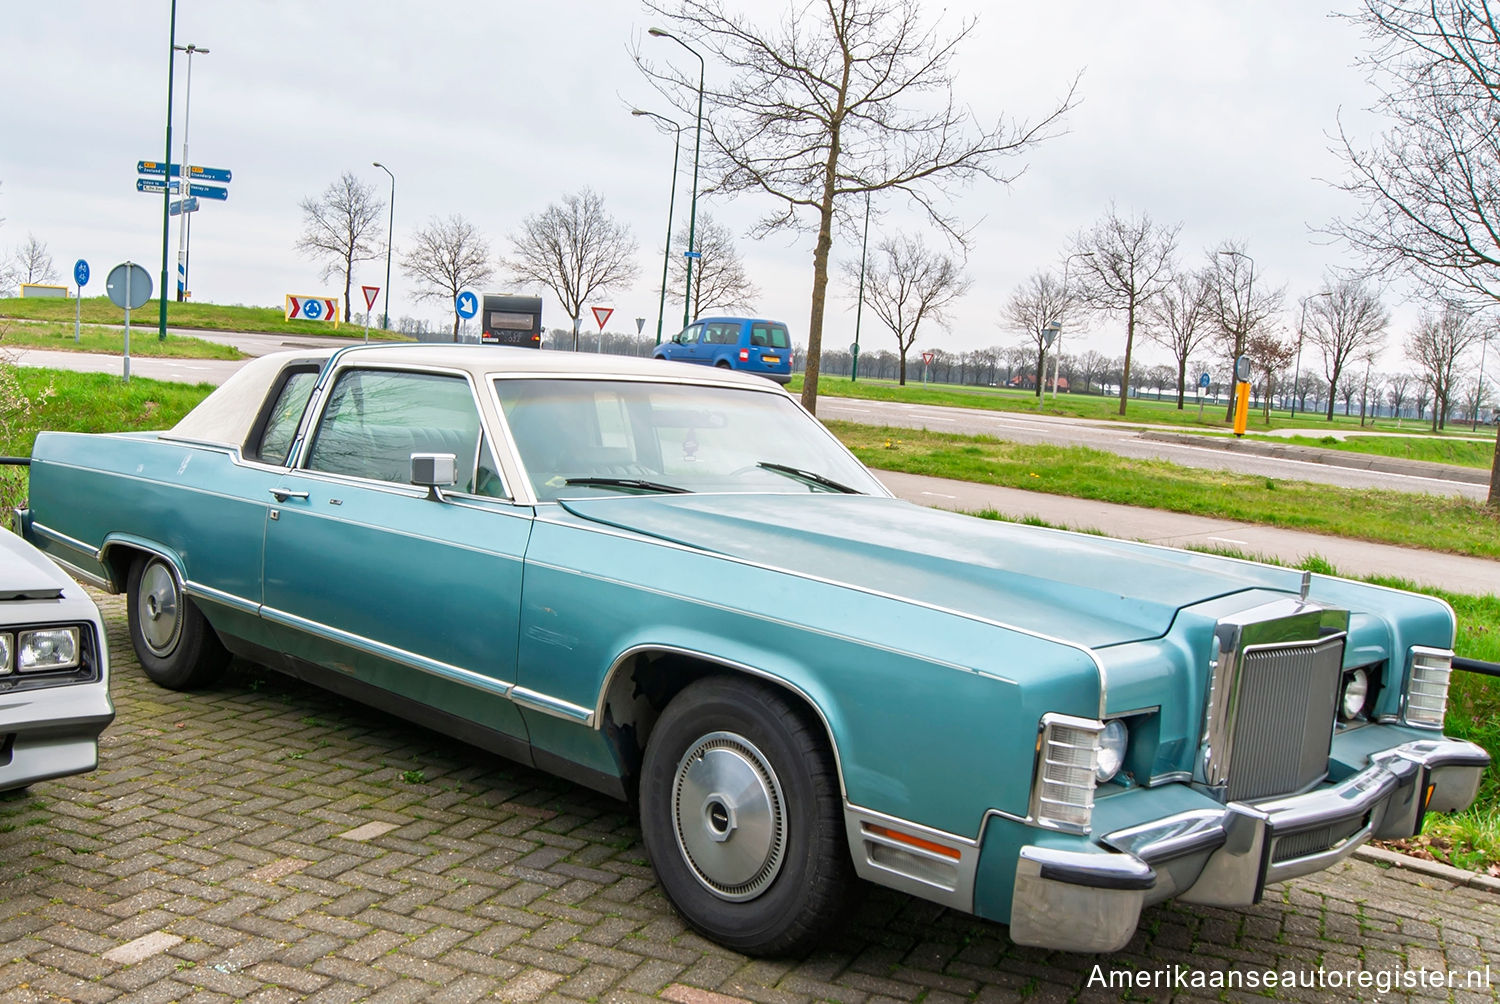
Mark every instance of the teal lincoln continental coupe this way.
pixel 670 583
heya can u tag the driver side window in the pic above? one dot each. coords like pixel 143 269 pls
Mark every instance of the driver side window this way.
pixel 688 335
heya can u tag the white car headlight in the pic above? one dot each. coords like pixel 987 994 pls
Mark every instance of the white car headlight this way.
pixel 42 649
pixel 1113 742
pixel 5 647
pixel 1355 693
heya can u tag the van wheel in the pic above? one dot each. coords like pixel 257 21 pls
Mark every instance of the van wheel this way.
pixel 742 819
pixel 723 364
pixel 173 641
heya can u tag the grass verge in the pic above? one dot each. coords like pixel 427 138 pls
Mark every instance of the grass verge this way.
pixel 58 337
pixel 1439 523
pixel 205 316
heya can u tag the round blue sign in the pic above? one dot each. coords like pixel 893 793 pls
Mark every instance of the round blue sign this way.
pixel 467 305
pixel 1203 381
pixel 81 272
pixel 312 310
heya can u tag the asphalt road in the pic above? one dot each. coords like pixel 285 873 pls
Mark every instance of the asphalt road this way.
pixel 1127 441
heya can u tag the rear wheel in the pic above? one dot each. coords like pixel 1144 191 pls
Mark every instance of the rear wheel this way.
pixel 741 816
pixel 174 643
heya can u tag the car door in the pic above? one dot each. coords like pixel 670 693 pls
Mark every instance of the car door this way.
pixel 415 595
pixel 688 347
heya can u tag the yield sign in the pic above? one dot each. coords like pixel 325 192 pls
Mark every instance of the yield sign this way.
pixel 601 314
pixel 371 292
pixel 927 358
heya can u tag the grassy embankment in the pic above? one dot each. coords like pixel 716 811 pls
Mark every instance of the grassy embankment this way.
pixel 94 402
pixel 202 316
pixel 58 337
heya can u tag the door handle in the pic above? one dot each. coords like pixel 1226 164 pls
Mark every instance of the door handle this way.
pixel 282 494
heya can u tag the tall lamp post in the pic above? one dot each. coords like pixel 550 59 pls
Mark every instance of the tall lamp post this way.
pixel 185 187
pixel 1301 328
pixel 166 193
pixel 1484 344
pixel 666 253
pixel 687 294
pixel 390 234
pixel 1055 325
pixel 1249 306
pixel 860 310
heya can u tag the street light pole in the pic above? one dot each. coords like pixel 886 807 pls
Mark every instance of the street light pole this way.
pixel 1301 328
pixel 687 294
pixel 185 186
pixel 390 234
pixel 1056 323
pixel 1484 344
pixel 859 311
pixel 1249 305
pixel 666 253
pixel 166 194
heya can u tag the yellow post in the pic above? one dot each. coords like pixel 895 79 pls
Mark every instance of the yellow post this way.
pixel 1241 407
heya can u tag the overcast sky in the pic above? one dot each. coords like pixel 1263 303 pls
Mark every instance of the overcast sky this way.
pixel 1217 115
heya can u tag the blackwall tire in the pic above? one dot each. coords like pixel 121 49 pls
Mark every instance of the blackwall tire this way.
pixel 174 643
pixel 742 817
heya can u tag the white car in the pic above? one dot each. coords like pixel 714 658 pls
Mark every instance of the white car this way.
pixel 54 670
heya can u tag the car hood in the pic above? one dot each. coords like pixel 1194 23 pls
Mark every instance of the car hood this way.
pixel 25 574
pixel 1095 591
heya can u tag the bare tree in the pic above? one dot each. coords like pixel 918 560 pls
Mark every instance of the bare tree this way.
pixel 1238 308
pixel 1124 264
pixel 839 99
pixel 1040 299
pixel 1271 355
pixel 1428 184
pixel 575 249
pixel 907 284
pixel 341 227
pixel 1345 320
pixel 1435 347
pixel 446 257
pixel 33 262
pixel 1180 321
pixel 1398 388
pixel 719 277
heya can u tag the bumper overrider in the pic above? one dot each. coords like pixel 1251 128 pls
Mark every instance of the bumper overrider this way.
pixel 1225 856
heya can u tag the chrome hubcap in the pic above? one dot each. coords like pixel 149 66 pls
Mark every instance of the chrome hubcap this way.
pixel 729 816
pixel 160 614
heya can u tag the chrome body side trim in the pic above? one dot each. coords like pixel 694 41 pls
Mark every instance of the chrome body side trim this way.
pixel 62 538
pixel 455 674
pixel 219 596
pixel 554 706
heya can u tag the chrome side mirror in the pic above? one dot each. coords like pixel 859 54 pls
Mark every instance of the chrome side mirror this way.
pixel 434 471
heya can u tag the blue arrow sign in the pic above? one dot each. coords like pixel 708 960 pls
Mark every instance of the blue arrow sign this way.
pixel 81 272
pixel 208 191
pixel 156 167
pixel 177 208
pixel 148 185
pixel 219 174
pixel 467 305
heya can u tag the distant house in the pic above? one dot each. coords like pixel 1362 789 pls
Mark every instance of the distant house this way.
pixel 1027 381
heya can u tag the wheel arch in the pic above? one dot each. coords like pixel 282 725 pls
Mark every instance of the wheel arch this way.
pixel 644 678
pixel 121 550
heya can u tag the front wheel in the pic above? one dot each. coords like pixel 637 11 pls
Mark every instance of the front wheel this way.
pixel 742 819
pixel 174 643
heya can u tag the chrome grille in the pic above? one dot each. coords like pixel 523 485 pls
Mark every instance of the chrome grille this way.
pixel 1324 838
pixel 1282 716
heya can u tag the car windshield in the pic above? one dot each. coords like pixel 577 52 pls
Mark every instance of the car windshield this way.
pixel 608 437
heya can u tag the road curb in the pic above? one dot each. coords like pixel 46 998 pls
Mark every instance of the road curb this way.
pixel 1432 869
pixel 1329 458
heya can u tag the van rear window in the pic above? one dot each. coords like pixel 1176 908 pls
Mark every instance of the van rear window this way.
pixel 773 335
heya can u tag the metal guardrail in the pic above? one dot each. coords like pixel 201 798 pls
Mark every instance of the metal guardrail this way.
pixel 1476 666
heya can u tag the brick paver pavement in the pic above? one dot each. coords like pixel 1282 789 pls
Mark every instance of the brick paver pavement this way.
pixel 266 841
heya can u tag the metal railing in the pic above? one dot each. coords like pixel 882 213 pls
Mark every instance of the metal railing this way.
pixel 1476 666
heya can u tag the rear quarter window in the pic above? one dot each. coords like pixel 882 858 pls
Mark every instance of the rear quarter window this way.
pixel 271 437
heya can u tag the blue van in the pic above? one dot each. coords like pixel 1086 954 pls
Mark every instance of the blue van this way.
pixel 737 343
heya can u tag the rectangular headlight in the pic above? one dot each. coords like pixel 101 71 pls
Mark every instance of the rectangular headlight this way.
pixel 42 649
pixel 1427 687
pixel 1062 795
pixel 6 642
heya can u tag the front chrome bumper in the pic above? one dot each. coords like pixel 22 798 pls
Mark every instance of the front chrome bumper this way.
pixel 1085 901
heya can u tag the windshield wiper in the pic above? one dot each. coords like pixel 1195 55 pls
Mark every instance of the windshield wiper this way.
pixel 637 483
pixel 808 477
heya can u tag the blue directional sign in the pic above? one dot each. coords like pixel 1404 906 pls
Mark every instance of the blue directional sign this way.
pixel 208 191
pixel 1204 381
pixel 81 272
pixel 156 167
pixel 148 185
pixel 177 208
pixel 312 310
pixel 467 305
pixel 692 254
pixel 219 174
